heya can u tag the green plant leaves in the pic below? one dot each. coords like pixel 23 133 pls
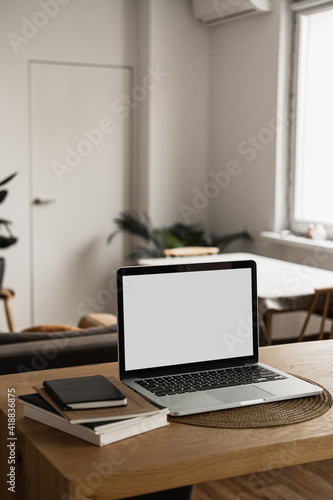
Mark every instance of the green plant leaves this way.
pixel 3 195
pixel 7 241
pixel 174 236
pixel 7 179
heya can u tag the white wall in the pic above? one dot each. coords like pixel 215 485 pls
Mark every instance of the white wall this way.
pixel 100 32
pixel 249 84
pixel 244 64
pixel 250 61
pixel 222 90
pixel 170 133
pixel 178 110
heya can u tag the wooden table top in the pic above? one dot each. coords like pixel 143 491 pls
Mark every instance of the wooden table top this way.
pixel 57 466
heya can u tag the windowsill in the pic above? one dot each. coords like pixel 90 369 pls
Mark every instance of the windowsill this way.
pixel 296 241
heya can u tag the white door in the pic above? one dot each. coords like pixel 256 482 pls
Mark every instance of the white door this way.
pixel 80 182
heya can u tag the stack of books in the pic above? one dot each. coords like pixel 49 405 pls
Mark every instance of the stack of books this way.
pixel 100 410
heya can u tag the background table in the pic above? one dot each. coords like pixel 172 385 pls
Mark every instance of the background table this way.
pixel 55 466
pixel 282 286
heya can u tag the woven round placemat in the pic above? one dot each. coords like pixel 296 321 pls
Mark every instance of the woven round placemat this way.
pixel 291 411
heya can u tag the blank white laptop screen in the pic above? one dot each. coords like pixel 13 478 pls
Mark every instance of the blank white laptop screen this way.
pixel 187 317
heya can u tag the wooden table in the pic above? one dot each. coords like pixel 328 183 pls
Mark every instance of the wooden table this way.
pixel 55 466
pixel 282 286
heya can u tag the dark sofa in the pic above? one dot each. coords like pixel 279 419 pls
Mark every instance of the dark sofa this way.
pixel 30 351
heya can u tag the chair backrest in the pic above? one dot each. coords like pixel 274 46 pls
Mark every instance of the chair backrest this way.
pixel 319 307
pixel 190 251
pixel 2 270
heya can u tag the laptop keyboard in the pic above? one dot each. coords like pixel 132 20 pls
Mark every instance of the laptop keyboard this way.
pixel 203 381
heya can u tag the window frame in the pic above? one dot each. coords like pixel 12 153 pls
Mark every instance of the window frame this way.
pixel 298 225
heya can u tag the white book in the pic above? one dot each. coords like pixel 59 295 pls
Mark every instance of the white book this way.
pixel 98 433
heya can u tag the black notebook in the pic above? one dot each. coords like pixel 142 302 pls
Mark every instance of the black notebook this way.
pixel 80 393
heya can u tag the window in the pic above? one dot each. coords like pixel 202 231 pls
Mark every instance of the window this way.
pixel 312 142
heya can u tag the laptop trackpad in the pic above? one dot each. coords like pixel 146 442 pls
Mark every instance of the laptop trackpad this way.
pixel 239 394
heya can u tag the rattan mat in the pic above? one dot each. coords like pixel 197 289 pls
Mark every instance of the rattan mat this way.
pixel 291 411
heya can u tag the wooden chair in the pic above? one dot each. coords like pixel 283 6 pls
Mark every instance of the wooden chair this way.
pixel 6 295
pixel 321 309
pixel 190 251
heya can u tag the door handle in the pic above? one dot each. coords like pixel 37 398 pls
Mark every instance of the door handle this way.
pixel 38 201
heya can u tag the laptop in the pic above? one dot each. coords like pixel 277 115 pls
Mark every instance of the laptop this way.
pixel 188 338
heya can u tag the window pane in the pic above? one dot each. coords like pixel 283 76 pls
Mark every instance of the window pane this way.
pixel 314 127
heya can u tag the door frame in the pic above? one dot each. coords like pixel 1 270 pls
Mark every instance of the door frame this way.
pixel 130 184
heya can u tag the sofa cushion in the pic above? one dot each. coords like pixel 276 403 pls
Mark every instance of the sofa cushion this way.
pixel 13 337
pixel 50 328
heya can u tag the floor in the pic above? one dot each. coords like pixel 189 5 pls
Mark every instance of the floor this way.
pixel 302 482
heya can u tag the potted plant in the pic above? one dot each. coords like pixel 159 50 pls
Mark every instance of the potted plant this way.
pixel 155 240
pixel 6 236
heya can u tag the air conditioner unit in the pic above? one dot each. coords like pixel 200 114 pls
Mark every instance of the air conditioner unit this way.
pixel 212 12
